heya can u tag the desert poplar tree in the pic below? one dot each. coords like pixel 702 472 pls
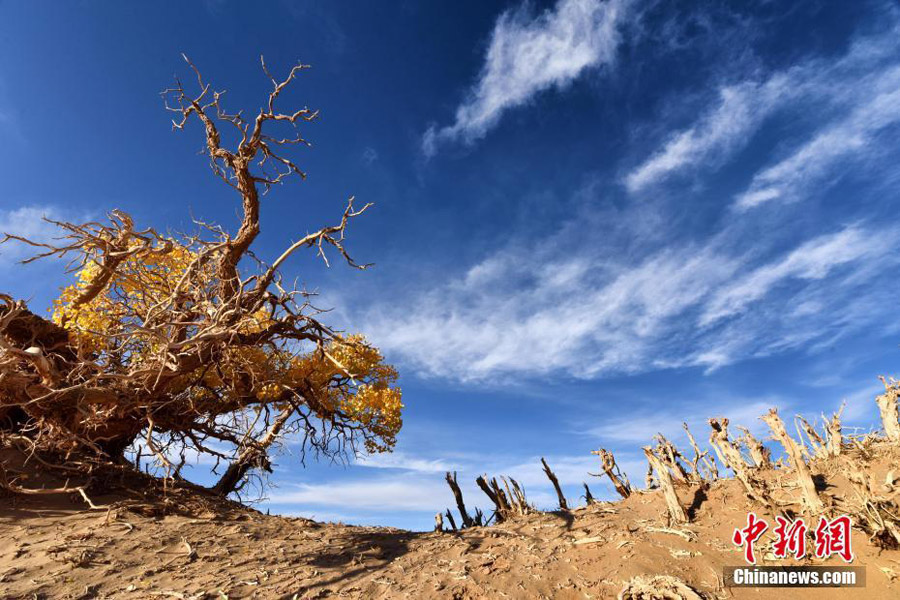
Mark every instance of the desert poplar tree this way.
pixel 179 344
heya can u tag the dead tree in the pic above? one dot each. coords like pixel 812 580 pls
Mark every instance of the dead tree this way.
pixel 874 512
pixel 664 477
pixel 588 497
pixel 516 495
pixel 501 507
pixel 804 476
pixel 508 502
pixel 457 494
pixel 167 344
pixel 834 438
pixel 608 464
pixel 887 406
pixel 563 505
pixel 451 520
pixel 813 439
pixel 731 457
pixel 761 456
pixel 649 480
pixel 505 504
pixel 668 453
pixel 712 471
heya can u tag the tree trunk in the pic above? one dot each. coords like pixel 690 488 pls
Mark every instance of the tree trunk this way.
pixel 498 508
pixel 608 464
pixel 563 505
pixel 835 438
pixel 758 452
pixel 712 472
pixel 588 496
pixel 252 456
pixel 731 457
pixel 887 406
pixel 668 453
pixel 451 520
pixel 804 476
pixel 457 494
pixel 676 511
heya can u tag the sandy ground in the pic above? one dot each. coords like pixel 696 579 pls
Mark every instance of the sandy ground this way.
pixel 53 547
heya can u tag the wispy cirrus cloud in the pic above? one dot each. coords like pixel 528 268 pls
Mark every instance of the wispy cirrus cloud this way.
pixel 529 54
pixel 402 461
pixel 814 259
pixel 381 494
pixel 739 110
pixel 587 313
pixel 853 136
pixel 852 96
pixel 426 492
pixel 27 222
pixel 639 429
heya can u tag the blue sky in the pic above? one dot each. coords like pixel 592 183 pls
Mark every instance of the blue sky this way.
pixel 594 218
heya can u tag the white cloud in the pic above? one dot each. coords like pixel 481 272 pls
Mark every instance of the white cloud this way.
pixel 403 461
pixel 428 492
pixel 527 55
pixel 589 314
pixel 569 470
pixel 739 111
pixel 383 494
pixel 27 222
pixel 639 429
pixel 812 260
pixel 851 137
pixel 845 85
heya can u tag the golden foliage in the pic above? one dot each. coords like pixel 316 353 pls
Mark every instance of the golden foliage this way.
pixel 144 280
pixel 347 379
pixel 188 341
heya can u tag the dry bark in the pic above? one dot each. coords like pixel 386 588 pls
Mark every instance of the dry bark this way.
pixel 664 477
pixel 516 494
pixel 508 502
pixel 835 440
pixel 563 505
pixel 499 512
pixel 731 457
pixel 502 498
pixel 588 496
pixel 658 587
pixel 451 520
pixel 804 477
pixel 761 456
pixel 457 494
pixel 668 453
pixel 701 458
pixel 875 513
pixel 887 406
pixel 608 464
pixel 815 441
